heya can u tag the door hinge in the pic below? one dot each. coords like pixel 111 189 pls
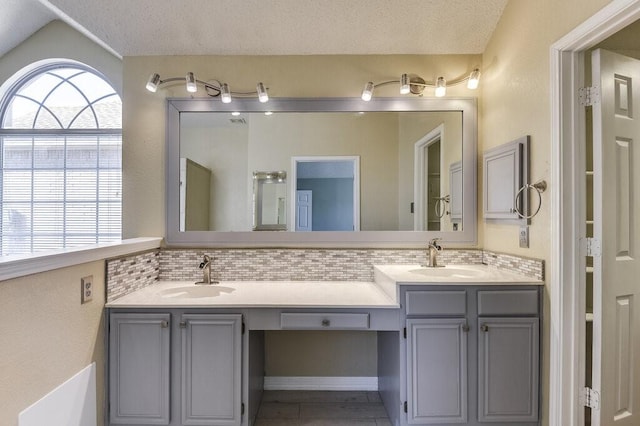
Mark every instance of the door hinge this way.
pixel 590 398
pixel 405 332
pixel 589 95
pixel 242 409
pixel 406 407
pixel 592 247
pixel 243 328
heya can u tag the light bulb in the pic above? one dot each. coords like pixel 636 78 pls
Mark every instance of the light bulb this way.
pixel 441 87
pixel 152 83
pixel 263 96
pixel 191 83
pixel 367 93
pixel 405 89
pixel 474 79
pixel 235 113
pixel 225 94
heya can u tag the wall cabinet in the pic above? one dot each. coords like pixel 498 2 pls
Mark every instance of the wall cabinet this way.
pixel 181 372
pixel 472 356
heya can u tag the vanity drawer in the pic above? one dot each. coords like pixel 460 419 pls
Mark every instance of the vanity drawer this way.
pixel 508 302
pixel 449 302
pixel 322 321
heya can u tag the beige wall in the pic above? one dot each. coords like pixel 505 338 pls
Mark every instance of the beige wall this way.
pixel 47 336
pixel 516 102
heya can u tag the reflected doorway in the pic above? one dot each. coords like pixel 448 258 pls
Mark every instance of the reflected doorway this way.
pixel 333 183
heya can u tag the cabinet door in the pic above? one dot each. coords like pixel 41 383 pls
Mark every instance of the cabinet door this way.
pixel 436 371
pixel 139 369
pixel 211 369
pixel 508 369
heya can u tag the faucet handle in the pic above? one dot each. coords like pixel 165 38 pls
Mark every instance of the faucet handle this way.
pixel 434 242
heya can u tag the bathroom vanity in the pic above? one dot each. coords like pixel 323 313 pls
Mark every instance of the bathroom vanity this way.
pixel 458 344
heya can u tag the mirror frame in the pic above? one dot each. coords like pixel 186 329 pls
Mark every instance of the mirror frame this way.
pixel 359 239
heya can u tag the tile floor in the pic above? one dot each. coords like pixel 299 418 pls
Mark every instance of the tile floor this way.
pixel 321 408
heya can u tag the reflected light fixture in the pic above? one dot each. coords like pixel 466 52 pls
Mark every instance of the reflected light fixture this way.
pixel 413 84
pixel 213 88
pixel 441 87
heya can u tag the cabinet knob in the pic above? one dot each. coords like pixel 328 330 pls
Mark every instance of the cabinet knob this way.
pixel 164 324
pixel 484 327
pixel 326 323
pixel 465 328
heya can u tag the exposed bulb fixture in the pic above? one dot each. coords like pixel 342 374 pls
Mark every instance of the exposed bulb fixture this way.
pixel 191 83
pixel 411 83
pixel 235 113
pixel 367 93
pixel 474 79
pixel 441 87
pixel 405 88
pixel 213 88
pixel 225 94
pixel 263 96
pixel 152 84
pixel 268 113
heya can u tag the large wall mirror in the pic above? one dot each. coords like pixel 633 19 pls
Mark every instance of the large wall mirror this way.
pixel 386 172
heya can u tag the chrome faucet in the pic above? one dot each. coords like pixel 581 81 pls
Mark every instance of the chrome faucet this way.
pixel 432 254
pixel 206 272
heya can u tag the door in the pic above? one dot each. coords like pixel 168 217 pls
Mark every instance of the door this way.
pixel 616 322
pixel 139 369
pixel 211 369
pixel 304 210
pixel 436 371
pixel 508 376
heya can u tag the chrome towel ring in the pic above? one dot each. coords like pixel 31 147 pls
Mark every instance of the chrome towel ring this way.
pixel 441 205
pixel 540 187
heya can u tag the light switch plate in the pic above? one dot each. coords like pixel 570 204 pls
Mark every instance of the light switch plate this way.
pixel 524 236
pixel 86 294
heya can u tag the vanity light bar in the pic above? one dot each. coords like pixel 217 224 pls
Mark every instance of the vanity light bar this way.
pixel 214 88
pixel 414 84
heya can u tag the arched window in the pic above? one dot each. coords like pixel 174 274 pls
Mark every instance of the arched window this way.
pixel 61 157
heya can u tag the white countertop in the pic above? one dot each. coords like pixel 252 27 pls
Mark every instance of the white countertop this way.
pixel 258 294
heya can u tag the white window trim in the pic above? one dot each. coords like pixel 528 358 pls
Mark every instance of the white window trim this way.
pixel 14 266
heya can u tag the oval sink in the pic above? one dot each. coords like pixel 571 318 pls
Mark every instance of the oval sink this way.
pixel 195 291
pixel 448 272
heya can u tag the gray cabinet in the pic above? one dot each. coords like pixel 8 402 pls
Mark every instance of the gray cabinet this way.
pixel 437 371
pixel 472 355
pixel 139 369
pixel 185 373
pixel 211 370
pixel 508 367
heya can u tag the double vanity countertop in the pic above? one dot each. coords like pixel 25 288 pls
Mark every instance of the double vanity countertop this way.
pixel 383 292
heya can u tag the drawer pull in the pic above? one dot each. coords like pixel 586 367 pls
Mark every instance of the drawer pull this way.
pixel 326 323
pixel 484 327
pixel 465 328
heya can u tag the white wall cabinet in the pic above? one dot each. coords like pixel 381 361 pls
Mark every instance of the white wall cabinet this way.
pixel 505 172
pixel 186 372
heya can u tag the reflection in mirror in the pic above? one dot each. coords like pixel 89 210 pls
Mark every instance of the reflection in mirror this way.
pixel 269 201
pixel 383 134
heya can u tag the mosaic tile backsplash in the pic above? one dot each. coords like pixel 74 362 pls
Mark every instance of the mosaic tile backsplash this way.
pixel 127 274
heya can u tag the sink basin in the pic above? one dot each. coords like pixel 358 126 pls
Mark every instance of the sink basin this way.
pixel 448 272
pixel 195 291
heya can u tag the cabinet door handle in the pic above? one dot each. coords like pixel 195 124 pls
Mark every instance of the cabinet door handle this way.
pixel 326 323
pixel 465 328
pixel 484 327
pixel 164 324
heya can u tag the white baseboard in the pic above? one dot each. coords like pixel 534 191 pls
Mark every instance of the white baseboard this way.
pixel 321 383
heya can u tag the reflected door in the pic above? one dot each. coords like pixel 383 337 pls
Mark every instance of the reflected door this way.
pixel 304 215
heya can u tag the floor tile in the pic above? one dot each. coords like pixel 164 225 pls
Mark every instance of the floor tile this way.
pixel 383 422
pixel 337 422
pixel 278 410
pixel 374 397
pixel 365 410
pixel 277 422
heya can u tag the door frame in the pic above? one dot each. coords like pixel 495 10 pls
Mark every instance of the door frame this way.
pixel 421 158
pixel 568 206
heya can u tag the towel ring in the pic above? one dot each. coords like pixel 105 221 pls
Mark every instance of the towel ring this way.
pixel 540 187
pixel 441 206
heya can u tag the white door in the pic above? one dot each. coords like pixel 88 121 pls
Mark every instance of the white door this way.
pixel 304 216
pixel 616 342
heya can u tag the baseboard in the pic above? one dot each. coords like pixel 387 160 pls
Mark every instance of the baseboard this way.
pixel 321 383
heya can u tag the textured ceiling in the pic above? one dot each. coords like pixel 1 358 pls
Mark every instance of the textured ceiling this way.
pixel 283 27
pixel 19 19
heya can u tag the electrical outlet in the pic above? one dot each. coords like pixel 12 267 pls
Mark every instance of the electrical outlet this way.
pixel 86 294
pixel 524 236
